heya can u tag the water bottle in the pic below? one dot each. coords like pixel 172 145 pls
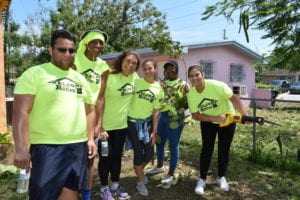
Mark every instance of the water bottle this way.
pixel 23 181
pixel 104 148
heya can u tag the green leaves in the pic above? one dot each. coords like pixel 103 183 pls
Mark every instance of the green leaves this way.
pixel 129 24
pixel 175 102
pixel 5 138
pixel 280 19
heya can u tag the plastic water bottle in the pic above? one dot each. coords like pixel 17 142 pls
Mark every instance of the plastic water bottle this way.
pixel 23 181
pixel 104 148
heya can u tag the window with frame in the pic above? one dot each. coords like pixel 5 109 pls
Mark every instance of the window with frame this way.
pixel 208 68
pixel 236 73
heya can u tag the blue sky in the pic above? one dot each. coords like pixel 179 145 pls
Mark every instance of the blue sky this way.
pixel 183 19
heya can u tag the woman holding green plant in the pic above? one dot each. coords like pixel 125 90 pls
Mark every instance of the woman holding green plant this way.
pixel 171 120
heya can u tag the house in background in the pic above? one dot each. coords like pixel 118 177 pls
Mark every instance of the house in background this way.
pixel 227 61
pixel 281 75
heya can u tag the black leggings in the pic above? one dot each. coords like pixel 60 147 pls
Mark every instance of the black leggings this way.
pixel 112 163
pixel 143 153
pixel 225 135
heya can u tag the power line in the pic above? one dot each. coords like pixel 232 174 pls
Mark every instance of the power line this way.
pixel 180 5
pixel 184 16
pixel 219 33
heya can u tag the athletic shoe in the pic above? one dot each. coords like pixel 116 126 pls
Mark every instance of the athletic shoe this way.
pixel 145 179
pixel 199 189
pixel 156 170
pixel 223 184
pixel 106 195
pixel 141 188
pixel 167 179
pixel 120 193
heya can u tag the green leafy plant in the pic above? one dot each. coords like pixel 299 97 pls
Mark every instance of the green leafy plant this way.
pixel 175 101
pixel 5 138
pixel 264 86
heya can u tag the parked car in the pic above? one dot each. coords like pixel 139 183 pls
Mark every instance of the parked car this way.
pixel 281 85
pixel 295 88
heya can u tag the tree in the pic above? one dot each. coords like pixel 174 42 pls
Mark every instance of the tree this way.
pixel 280 19
pixel 129 24
pixel 13 42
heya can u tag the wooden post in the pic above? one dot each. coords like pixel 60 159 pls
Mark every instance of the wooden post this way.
pixel 3 122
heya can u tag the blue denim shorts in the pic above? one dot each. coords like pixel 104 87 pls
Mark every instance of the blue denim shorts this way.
pixel 55 167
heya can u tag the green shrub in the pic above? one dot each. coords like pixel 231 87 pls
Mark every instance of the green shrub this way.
pixel 264 86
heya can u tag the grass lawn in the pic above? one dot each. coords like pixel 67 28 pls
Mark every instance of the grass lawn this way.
pixel 271 172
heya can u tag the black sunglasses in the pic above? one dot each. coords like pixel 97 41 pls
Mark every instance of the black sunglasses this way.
pixel 64 50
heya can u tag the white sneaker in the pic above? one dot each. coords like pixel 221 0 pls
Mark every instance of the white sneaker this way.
pixel 223 184
pixel 167 179
pixel 141 188
pixel 156 170
pixel 199 189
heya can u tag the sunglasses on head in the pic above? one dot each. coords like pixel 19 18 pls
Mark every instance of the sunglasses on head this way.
pixel 64 50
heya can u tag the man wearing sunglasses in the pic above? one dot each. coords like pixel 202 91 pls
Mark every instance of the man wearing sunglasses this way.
pixel 95 70
pixel 53 108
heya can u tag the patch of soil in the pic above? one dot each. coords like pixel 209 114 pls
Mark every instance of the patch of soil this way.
pixel 183 190
pixel 7 153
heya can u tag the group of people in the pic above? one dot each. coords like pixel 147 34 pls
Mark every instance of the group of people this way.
pixel 63 109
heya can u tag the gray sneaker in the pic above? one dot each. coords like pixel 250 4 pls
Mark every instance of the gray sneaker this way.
pixel 145 179
pixel 141 188
pixel 156 170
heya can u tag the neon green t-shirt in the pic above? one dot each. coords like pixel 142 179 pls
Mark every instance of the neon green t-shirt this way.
pixel 118 94
pixel 213 100
pixel 92 71
pixel 58 111
pixel 146 98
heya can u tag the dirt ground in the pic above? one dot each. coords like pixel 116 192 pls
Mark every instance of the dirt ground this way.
pixel 183 190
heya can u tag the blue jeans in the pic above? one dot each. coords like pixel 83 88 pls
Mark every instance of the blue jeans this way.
pixel 173 136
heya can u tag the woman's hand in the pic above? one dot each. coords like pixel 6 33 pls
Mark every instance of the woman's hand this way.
pixel 103 135
pixel 153 138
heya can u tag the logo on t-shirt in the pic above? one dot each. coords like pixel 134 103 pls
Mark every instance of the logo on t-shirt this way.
pixel 207 104
pixel 92 76
pixel 67 85
pixel 126 89
pixel 147 95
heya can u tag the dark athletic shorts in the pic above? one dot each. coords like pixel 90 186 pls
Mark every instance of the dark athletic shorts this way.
pixel 55 167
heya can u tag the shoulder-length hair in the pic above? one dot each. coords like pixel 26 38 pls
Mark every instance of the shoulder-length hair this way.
pixel 117 68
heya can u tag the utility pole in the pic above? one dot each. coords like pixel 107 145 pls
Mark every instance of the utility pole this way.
pixel 224 34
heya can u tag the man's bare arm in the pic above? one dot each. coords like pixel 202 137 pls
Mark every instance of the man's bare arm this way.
pixel 21 109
